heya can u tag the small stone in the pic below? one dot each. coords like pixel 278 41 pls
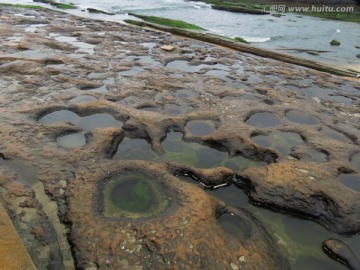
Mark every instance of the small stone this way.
pixel 242 258
pixel 234 266
pixel 167 48
pixel 303 171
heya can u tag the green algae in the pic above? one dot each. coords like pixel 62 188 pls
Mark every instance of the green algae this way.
pixel 202 155
pixel 56 4
pixel 168 22
pixel 134 195
pixel 240 39
pixel 21 6
pixel 335 42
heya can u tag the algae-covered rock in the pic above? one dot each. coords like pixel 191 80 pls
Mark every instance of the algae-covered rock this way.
pixel 240 39
pixel 99 11
pixel 335 42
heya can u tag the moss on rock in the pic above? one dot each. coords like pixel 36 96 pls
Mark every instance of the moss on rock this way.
pixel 335 42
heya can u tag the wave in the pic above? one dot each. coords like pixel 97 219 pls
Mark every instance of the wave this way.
pixel 200 5
pixel 257 39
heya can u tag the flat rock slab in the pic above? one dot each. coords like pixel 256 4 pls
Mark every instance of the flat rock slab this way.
pixel 13 253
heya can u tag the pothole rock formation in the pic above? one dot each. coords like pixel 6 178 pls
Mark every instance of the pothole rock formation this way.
pixel 200 111
pixel 161 221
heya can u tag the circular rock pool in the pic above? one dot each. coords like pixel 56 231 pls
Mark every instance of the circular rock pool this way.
pixel 134 195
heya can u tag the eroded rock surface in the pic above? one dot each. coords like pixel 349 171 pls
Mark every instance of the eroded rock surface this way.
pixel 310 189
pixel 188 110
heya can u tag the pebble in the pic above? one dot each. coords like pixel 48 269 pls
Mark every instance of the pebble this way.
pixel 242 258
pixel 167 48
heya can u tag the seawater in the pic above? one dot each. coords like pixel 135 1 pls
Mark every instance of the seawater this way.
pixel 266 31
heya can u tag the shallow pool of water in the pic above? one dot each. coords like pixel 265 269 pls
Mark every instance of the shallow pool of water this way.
pixel 236 226
pixel 135 149
pixel 82 46
pixel 202 156
pixel 26 172
pixel 263 119
pixel 133 195
pixel 82 99
pixel 351 181
pixel 302 117
pixel 31 54
pixel 336 135
pixel 98 120
pixel 60 116
pixel 131 71
pixel 71 140
pixel 175 109
pixel 302 238
pixel 199 127
pixel 311 154
pixel 283 142
pixel 355 161
pixel 186 94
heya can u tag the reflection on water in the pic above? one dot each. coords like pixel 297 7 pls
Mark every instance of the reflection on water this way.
pixel 284 142
pixel 302 117
pixel 202 156
pixel 263 119
pixel 98 120
pixel 135 149
pixel 199 128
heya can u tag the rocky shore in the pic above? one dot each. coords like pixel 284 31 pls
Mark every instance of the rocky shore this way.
pixel 109 144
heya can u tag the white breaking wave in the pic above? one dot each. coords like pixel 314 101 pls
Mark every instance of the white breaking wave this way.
pixel 200 4
pixel 257 39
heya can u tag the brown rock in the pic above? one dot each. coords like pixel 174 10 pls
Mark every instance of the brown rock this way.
pixel 303 188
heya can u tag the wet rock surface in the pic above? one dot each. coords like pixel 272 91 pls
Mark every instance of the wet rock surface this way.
pixel 101 81
pixel 314 191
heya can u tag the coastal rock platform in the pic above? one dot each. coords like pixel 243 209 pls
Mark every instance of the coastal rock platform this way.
pixel 108 144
